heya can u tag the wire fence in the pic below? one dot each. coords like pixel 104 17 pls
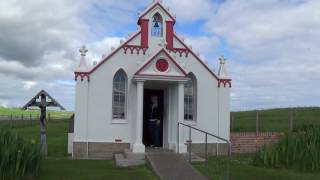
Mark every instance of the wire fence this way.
pixel 16 120
pixel 276 120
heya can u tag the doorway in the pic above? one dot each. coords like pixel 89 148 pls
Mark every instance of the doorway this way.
pixel 153 116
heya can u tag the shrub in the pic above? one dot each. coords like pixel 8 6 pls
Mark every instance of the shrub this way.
pixel 296 150
pixel 18 157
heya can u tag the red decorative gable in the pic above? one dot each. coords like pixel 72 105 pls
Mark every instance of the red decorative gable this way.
pixel 161 64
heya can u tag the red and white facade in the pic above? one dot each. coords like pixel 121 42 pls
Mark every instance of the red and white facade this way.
pixel 150 62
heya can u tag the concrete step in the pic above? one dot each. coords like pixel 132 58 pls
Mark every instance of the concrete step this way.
pixel 122 161
pixel 137 156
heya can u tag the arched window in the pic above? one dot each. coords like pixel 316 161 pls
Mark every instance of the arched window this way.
pixel 119 95
pixel 157 25
pixel 190 95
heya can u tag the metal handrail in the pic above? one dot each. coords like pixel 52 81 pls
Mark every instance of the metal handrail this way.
pixel 206 140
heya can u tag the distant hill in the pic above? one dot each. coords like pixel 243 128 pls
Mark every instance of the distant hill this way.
pixel 276 119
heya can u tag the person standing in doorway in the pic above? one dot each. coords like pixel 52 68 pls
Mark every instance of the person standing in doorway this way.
pixel 154 122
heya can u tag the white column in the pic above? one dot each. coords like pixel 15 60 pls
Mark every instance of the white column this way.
pixel 138 147
pixel 182 146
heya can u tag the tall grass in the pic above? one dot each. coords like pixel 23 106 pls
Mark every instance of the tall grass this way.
pixel 298 150
pixel 18 157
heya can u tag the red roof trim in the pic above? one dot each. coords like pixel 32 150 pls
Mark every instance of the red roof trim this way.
pixel 153 57
pixel 113 53
pixel 174 20
pixel 155 75
pixel 198 58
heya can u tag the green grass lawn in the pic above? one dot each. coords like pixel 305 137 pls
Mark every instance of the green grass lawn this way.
pixel 241 168
pixel 275 119
pixel 58 166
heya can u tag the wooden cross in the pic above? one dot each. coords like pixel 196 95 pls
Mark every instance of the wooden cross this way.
pixel 43 100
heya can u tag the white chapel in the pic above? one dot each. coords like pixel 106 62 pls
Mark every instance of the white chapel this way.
pixel 134 98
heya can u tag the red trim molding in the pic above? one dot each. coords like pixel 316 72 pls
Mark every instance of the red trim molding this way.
pixel 135 48
pixel 169 34
pixel 82 75
pixel 144 32
pixel 224 82
pixel 198 58
pixel 181 51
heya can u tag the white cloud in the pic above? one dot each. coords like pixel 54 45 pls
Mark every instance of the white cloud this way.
pixel 188 11
pixel 27 85
pixel 275 51
pixel 272 45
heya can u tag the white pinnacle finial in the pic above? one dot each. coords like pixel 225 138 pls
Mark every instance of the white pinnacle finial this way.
pixel 83 51
pixel 222 73
pixel 83 67
pixel 222 60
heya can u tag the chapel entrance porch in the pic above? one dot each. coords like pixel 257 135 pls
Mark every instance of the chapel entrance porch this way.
pixel 169 93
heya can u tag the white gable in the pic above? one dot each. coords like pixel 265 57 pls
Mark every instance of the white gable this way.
pixel 150 67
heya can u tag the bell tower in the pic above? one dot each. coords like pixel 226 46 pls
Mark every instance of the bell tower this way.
pixel 156 23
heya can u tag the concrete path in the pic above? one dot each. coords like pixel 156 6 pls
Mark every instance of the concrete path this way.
pixel 172 166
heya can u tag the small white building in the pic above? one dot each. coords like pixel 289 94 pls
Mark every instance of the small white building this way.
pixel 113 98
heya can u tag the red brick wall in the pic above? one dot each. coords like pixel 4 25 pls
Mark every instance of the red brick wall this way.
pixel 249 142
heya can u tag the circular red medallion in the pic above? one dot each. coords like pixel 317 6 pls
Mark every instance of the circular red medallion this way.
pixel 162 65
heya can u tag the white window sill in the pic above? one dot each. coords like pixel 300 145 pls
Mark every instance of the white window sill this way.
pixel 190 123
pixel 119 121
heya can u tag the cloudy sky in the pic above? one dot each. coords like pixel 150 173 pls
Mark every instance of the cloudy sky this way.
pixel 272 46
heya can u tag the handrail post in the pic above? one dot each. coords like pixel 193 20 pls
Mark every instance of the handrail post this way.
pixel 206 150
pixel 189 144
pixel 178 138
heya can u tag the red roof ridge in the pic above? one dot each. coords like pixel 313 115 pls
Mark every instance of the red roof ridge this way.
pixel 196 56
pixel 114 52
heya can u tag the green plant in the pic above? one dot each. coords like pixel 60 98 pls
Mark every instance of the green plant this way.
pixel 296 150
pixel 18 157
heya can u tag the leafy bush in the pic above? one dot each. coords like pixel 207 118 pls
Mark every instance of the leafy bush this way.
pixel 18 157
pixel 298 150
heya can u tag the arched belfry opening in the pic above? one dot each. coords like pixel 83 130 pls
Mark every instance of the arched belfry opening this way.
pixel 157 25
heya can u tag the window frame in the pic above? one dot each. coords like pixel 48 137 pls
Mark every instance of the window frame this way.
pixel 194 100
pixel 124 119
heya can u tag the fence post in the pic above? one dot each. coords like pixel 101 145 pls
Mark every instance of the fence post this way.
pixel 11 120
pixel 257 121
pixel 21 117
pixel 291 121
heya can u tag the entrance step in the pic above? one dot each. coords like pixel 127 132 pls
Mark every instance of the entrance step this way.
pixel 130 155
pixel 129 158
pixel 172 166
pixel 122 161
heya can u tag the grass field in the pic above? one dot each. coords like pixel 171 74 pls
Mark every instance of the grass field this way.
pixel 241 168
pixel 275 119
pixel 58 166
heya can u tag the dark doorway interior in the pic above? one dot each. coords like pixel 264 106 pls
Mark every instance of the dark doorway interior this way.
pixel 150 113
